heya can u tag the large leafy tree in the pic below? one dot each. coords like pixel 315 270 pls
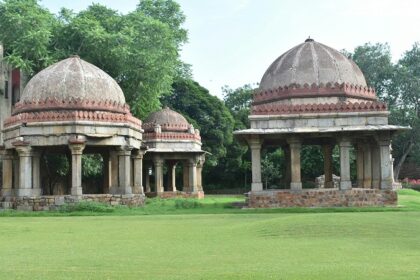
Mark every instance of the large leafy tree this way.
pixel 206 112
pixel 140 49
pixel 398 85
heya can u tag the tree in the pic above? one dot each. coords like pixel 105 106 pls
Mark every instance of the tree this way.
pixel 407 107
pixel 26 33
pixel 398 85
pixel 139 50
pixel 207 113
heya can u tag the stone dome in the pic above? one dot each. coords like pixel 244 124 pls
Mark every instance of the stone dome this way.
pixel 72 83
pixel 168 120
pixel 311 63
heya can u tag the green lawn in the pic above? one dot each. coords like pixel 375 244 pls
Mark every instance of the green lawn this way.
pixel 168 240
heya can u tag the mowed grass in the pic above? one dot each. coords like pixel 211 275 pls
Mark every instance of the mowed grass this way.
pixel 210 240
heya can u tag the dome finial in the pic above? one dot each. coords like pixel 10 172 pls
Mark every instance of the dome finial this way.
pixel 309 39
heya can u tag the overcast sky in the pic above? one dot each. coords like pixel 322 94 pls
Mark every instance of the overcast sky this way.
pixel 232 42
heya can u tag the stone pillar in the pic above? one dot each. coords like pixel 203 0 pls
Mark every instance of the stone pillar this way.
pixel 36 173
pixel 124 170
pixel 192 176
pixel 138 173
pixel 147 180
pixel 113 172
pixel 328 166
pixel 25 171
pixel 345 182
pixel 295 147
pixel 7 189
pixel 16 173
pixel 171 176
pixel 288 175
pixel 185 179
pixel 158 174
pixel 359 165
pixel 199 173
pixel 376 166
pixel 107 174
pixel 76 147
pixel 255 145
pixel 386 166
pixel 367 167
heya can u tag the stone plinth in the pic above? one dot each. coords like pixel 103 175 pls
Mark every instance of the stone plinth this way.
pixel 177 194
pixel 45 203
pixel 322 198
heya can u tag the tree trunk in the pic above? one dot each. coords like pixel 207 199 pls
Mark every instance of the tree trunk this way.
pixel 398 166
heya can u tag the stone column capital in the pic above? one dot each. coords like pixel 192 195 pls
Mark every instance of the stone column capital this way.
pixel 124 150
pixel 158 161
pixel 255 142
pixel 294 141
pixel 344 142
pixel 137 155
pixel 24 150
pixel 77 148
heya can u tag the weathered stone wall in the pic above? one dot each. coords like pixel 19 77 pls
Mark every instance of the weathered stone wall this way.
pixel 322 198
pixel 43 203
pixel 177 194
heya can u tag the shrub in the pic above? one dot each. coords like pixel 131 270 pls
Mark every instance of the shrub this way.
pixel 87 206
pixel 186 203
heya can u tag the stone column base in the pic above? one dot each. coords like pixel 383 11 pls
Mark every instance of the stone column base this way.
pixel 296 186
pixel 27 192
pixel 76 191
pixel 345 185
pixel 256 187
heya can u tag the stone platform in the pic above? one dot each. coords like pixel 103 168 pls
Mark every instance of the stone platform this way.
pixel 177 194
pixel 53 202
pixel 333 197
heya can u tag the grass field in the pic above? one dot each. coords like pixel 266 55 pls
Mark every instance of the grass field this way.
pixel 210 240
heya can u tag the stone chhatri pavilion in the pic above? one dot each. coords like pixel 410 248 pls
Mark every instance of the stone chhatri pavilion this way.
pixel 314 95
pixel 171 140
pixel 72 107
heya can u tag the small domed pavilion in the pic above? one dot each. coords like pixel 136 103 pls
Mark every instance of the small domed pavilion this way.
pixel 72 107
pixel 314 95
pixel 170 139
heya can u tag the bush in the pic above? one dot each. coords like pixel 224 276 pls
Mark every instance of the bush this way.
pixel 87 206
pixel 186 203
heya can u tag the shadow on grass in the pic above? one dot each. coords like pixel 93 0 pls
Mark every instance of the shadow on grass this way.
pixel 409 200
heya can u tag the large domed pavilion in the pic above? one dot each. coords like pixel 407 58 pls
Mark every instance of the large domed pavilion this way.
pixel 72 107
pixel 314 95
pixel 170 140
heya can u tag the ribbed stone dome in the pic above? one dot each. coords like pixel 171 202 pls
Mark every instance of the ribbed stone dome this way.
pixel 168 119
pixel 72 79
pixel 311 63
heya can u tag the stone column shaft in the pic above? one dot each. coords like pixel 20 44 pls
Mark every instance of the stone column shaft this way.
pixel 295 147
pixel 25 171
pixel 255 145
pixel 367 167
pixel 36 173
pixel 124 170
pixel 147 180
pixel 172 177
pixel 76 148
pixel 376 166
pixel 359 165
pixel 7 175
pixel 345 182
pixel 328 172
pixel 159 175
pixel 186 181
pixel 138 173
pixel 199 177
pixel 386 166
pixel 113 172
pixel 192 164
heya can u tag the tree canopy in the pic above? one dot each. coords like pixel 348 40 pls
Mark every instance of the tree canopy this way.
pixel 140 49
